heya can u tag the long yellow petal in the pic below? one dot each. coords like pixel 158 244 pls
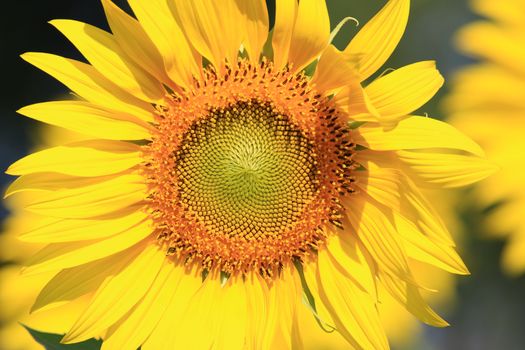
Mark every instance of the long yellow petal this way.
pixel 190 282
pixel 470 97
pixel 105 54
pixel 416 133
pixel 72 283
pixel 448 170
pixel 202 313
pixel 382 184
pixel 257 296
pixel 285 16
pixel 403 91
pixel 419 211
pixel 284 295
pixel 355 104
pixel 85 158
pixel 133 329
pixel 310 34
pixel 512 257
pixel 70 230
pixel 420 247
pixel 256 26
pixel 376 41
pixel 45 182
pixel 58 256
pixel 86 118
pixel 379 236
pixel 354 311
pixel 505 48
pixel 318 309
pixel 414 205
pixel 232 328
pixel 95 200
pixel 117 295
pixel 511 13
pixel 134 41
pixel 88 83
pixel 57 320
pixel 180 60
pixel 346 251
pixel 408 295
pixel 213 27
pixel 334 71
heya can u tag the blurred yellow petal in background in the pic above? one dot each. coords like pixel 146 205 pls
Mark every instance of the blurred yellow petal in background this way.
pixel 487 102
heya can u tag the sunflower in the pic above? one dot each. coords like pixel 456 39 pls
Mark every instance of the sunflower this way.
pixel 231 176
pixel 487 98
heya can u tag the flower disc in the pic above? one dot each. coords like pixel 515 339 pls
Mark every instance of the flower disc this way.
pixel 246 173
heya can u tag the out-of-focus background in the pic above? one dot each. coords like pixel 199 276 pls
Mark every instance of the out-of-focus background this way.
pixel 489 307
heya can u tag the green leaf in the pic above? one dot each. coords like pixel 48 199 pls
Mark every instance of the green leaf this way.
pixel 52 341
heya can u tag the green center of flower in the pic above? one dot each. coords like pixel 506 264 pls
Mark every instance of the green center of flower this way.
pixel 246 170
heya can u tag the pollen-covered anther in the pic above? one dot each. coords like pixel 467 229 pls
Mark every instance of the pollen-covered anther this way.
pixel 246 169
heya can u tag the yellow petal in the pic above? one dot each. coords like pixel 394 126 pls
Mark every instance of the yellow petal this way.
pixel 85 158
pixel 70 230
pixel 353 261
pixel 285 15
pixel 117 295
pixel 255 15
pixel 511 13
pixel 189 282
pixel 213 27
pixel 512 260
pixel 105 54
pixel 232 327
pixel 419 211
pixel 486 99
pixel 85 81
pixel 408 295
pixel 334 71
pixel 382 184
pixel 45 182
pixel 284 295
pixel 86 118
pixel 403 91
pixel 500 45
pixel 14 336
pixel 58 256
pixel 202 313
pixel 257 296
pixel 315 305
pixel 418 246
pixel 95 200
pixel 133 329
pixel 379 236
pixel 18 292
pixel 134 41
pixel 72 283
pixel 353 311
pixel 448 170
pixel 310 34
pixel 57 320
pixel 414 205
pixel 416 133
pixel 180 61
pixel 376 41
pixel 355 104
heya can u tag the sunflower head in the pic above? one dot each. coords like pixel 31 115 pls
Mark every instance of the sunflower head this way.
pixel 246 168
pixel 220 186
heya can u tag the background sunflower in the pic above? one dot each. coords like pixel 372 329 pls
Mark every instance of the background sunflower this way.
pixel 486 295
